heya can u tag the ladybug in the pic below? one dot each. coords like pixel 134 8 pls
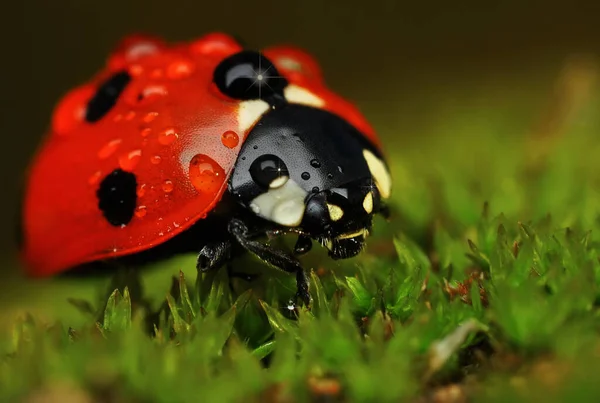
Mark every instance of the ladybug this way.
pixel 203 146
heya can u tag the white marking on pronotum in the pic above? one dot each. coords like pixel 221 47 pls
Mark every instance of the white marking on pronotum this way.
pixel 380 173
pixel 335 212
pixel 298 95
pixel 283 204
pixel 368 203
pixel 249 112
pixel 279 182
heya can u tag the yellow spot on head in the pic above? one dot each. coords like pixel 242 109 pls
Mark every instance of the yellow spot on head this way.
pixel 335 212
pixel 382 177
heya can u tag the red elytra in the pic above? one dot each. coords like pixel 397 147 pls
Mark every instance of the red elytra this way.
pixel 179 139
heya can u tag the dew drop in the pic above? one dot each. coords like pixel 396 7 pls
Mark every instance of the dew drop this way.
pixel 130 115
pixel 136 70
pixel 109 149
pixel 315 189
pixel 118 117
pixel 141 191
pixel 95 178
pixel 315 163
pixel 167 186
pixel 155 159
pixel 180 69
pixel 150 116
pixel 141 49
pixel 341 169
pixel 230 139
pixel 255 147
pixel 330 176
pixel 151 93
pixel 141 211
pixel 129 161
pixel 145 132
pixel 305 176
pixel 206 174
pixel 167 136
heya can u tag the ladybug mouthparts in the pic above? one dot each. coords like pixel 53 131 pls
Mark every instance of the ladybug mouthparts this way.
pixel 308 169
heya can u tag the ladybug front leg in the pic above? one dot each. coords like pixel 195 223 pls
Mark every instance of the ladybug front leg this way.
pixel 214 255
pixel 274 257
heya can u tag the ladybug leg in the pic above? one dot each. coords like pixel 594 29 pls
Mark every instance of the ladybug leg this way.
pixel 214 255
pixel 303 245
pixel 274 257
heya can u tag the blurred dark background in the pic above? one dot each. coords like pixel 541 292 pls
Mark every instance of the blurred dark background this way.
pixel 397 60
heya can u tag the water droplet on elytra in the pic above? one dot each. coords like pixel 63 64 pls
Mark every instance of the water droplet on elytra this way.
pixel 130 115
pixel 136 70
pixel 140 211
pixel 315 163
pixel 180 69
pixel 95 178
pixel 145 132
pixel 150 116
pixel 109 148
pixel 167 136
pixel 151 93
pixel 230 139
pixel 167 186
pixel 155 159
pixel 141 191
pixel 305 176
pixel 206 174
pixel 129 161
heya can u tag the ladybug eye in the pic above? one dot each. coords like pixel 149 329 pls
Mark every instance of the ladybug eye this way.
pixel 269 171
pixel 106 96
pixel 248 75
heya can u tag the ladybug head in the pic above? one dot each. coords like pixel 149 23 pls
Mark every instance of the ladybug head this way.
pixel 309 162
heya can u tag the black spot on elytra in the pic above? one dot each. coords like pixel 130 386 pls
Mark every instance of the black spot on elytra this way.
pixel 106 96
pixel 117 197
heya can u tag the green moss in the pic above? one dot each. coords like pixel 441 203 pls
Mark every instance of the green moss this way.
pixel 487 278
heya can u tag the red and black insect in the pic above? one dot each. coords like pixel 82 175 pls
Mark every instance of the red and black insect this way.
pixel 204 146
